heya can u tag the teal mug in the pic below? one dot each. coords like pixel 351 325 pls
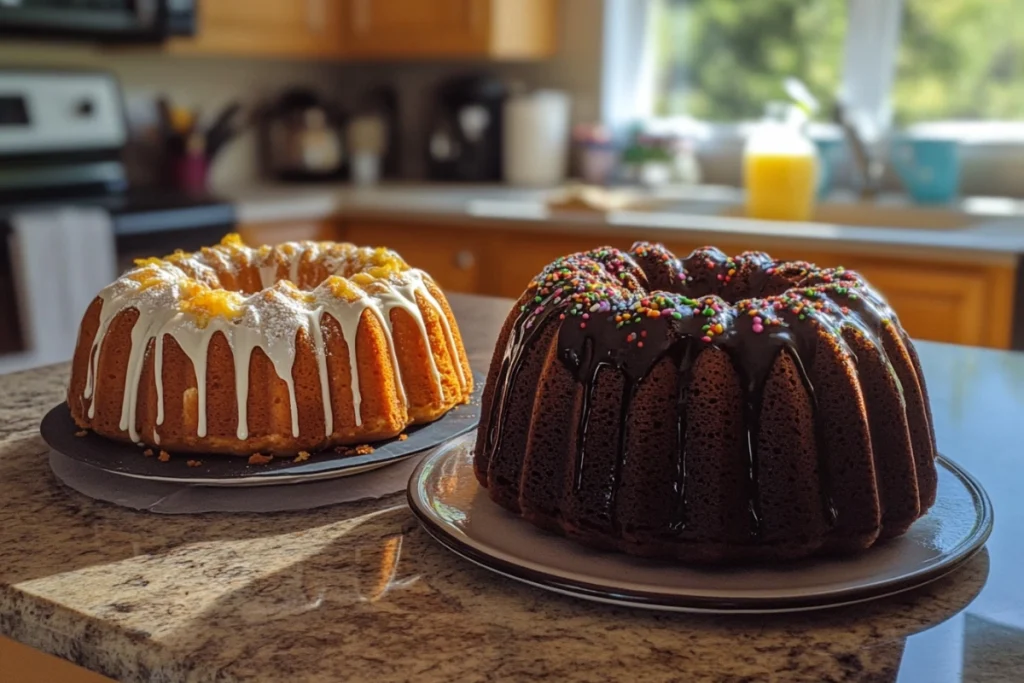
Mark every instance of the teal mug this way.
pixel 928 167
pixel 831 155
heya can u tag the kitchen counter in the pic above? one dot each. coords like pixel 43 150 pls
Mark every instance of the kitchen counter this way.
pixel 996 235
pixel 360 592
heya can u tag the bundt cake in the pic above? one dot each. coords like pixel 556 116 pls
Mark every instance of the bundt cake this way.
pixel 293 348
pixel 710 409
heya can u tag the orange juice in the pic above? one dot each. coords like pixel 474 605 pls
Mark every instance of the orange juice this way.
pixel 780 186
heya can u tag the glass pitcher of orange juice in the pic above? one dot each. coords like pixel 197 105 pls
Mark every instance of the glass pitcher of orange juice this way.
pixel 780 167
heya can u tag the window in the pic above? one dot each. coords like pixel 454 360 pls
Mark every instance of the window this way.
pixel 906 61
pixel 722 60
pixel 960 60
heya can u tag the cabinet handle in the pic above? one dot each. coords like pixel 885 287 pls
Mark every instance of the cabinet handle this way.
pixel 464 260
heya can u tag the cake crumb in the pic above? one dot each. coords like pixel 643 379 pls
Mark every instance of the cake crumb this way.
pixel 364 449
pixel 84 432
pixel 194 463
pixel 164 456
pixel 403 437
pixel 148 452
pixel 260 459
pixel 302 456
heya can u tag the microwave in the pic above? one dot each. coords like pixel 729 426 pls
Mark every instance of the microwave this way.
pixel 121 21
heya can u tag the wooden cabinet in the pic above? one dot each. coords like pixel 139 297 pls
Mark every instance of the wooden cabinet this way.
pixel 511 29
pixel 256 234
pixel 950 302
pixel 963 306
pixel 454 258
pixel 375 29
pixel 295 28
pixel 22 664
pixel 936 301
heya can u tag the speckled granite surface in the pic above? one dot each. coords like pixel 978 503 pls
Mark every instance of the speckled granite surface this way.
pixel 359 592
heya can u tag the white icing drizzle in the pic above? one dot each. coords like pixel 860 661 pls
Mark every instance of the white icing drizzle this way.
pixel 271 320
pixel 268 275
pixel 449 336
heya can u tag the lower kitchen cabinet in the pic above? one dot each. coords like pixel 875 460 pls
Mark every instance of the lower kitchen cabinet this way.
pixel 288 231
pixel 938 301
pixel 453 257
pixel 22 664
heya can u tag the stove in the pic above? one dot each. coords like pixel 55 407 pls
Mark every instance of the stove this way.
pixel 65 201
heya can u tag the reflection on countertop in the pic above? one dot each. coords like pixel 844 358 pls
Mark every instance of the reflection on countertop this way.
pixel 981 226
pixel 359 591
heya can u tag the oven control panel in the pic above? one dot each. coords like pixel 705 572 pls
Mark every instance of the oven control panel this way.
pixel 59 111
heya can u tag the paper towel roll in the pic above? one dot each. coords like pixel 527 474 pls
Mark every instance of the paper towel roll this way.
pixel 536 138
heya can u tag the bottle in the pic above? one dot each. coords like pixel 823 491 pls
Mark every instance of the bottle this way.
pixel 780 166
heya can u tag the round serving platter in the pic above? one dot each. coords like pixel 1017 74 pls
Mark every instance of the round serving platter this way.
pixel 60 433
pixel 457 512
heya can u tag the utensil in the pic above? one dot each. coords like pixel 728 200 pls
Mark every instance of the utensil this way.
pixel 222 129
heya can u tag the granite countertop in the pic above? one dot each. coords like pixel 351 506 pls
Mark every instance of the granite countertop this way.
pixel 995 233
pixel 360 592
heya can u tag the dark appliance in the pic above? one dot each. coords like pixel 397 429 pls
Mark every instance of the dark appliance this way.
pixel 464 138
pixel 98 20
pixel 382 101
pixel 62 136
pixel 301 137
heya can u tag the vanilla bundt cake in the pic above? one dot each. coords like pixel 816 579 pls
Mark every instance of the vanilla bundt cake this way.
pixel 708 409
pixel 278 350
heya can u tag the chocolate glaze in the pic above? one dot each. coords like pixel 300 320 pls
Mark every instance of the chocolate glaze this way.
pixel 681 313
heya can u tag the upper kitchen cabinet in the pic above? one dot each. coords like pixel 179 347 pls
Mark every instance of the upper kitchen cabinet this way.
pixel 395 29
pixel 296 28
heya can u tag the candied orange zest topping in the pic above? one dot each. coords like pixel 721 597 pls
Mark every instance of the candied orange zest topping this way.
pixel 207 304
pixel 232 239
pixel 342 288
pixel 363 279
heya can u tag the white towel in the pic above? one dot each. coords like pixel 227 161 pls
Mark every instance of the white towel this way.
pixel 61 259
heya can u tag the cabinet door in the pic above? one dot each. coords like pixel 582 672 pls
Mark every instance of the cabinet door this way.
pixel 257 234
pixel 937 305
pixel 268 27
pixel 523 255
pixel 396 28
pixel 452 257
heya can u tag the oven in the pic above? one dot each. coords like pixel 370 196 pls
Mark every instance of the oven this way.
pixel 69 220
pixel 98 20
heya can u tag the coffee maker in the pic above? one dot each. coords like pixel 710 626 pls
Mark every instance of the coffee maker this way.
pixel 464 137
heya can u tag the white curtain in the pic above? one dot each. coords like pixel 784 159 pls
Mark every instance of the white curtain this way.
pixel 869 63
pixel 627 74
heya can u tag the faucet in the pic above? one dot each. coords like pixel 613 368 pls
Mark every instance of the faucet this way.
pixel 869 168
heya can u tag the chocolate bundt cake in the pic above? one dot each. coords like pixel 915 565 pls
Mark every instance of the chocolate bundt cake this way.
pixel 710 409
pixel 284 349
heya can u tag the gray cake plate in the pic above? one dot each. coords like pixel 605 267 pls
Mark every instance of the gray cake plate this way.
pixel 127 460
pixel 457 512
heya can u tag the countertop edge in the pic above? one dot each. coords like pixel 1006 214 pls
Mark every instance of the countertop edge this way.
pixel 979 244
